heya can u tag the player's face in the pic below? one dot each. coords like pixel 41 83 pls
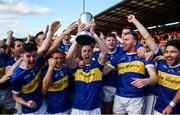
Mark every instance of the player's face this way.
pixel 172 55
pixel 67 37
pixel 18 48
pixel 128 42
pixel 30 58
pixel 59 59
pixel 110 43
pixel 86 52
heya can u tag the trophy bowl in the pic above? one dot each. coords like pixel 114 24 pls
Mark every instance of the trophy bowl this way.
pixel 85 37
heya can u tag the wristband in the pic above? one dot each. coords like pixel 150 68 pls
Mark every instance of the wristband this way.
pixel 172 104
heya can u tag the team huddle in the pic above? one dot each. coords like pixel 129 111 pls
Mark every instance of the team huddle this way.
pixel 111 75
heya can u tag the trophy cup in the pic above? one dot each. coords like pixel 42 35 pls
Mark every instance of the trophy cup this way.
pixel 85 37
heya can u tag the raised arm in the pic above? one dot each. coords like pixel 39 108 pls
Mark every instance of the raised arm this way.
pixel 59 39
pixel 103 55
pixel 47 42
pixel 143 31
pixel 9 71
pixel 47 81
pixel 29 38
pixel 9 38
pixel 71 55
pixel 46 30
pixel 8 42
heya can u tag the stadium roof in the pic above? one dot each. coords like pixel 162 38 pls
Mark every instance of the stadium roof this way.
pixel 148 12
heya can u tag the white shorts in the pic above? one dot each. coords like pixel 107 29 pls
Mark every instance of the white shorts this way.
pixel 63 113
pixel 149 104
pixel 41 110
pixel 128 105
pixel 19 109
pixel 109 93
pixel 96 111
pixel 157 113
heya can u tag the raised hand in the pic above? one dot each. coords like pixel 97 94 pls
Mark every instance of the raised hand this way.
pixel 52 62
pixel 29 38
pixel 10 33
pixel 71 27
pixel 101 35
pixel 131 18
pixel 32 104
pixel 9 72
pixel 81 27
pixel 54 26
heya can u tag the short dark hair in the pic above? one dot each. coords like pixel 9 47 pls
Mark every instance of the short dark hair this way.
pixel 110 35
pixel 134 35
pixel 12 45
pixel 175 43
pixel 29 47
pixel 91 45
pixel 59 51
pixel 3 45
pixel 39 33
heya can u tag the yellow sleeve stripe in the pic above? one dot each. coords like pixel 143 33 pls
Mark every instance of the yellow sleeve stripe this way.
pixel 32 86
pixel 93 75
pixel 169 80
pixel 135 66
pixel 2 71
pixel 59 85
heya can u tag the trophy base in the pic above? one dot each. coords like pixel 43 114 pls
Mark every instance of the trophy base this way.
pixel 84 38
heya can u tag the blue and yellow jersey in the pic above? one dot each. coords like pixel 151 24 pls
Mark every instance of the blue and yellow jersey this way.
pixel 58 95
pixel 3 61
pixel 153 89
pixel 118 44
pixel 88 86
pixel 27 83
pixel 10 62
pixel 111 79
pixel 129 66
pixel 169 83
pixel 64 47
